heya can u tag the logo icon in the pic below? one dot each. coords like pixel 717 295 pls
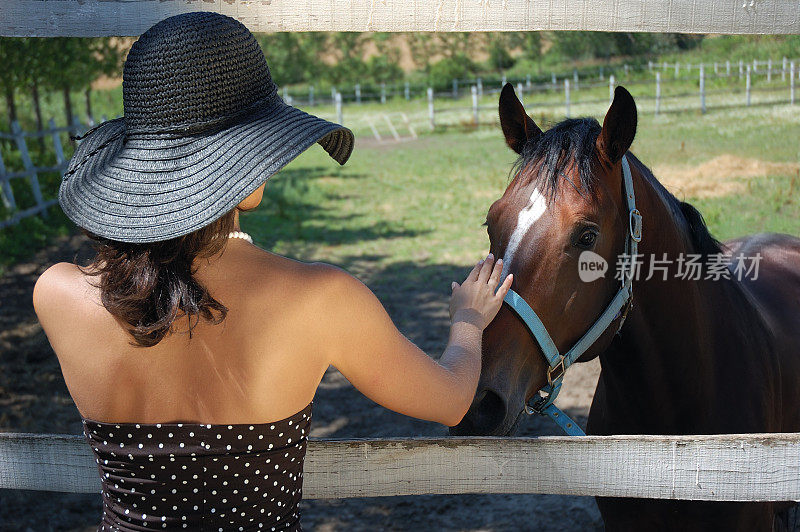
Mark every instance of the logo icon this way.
pixel 591 266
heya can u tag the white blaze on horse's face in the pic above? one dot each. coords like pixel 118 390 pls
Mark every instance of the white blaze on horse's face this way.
pixel 525 219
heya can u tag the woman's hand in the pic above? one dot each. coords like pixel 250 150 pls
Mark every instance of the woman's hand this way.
pixel 476 301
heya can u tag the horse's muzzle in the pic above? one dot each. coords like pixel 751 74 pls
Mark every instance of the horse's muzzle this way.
pixel 488 416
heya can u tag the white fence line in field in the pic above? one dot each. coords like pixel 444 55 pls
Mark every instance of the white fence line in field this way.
pixel 741 467
pixel 568 93
pixel 583 78
pixel 31 171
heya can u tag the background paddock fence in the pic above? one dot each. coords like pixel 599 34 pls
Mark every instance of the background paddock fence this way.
pixel 31 171
pixel 664 88
pixel 741 467
pixel 96 18
pixel 584 78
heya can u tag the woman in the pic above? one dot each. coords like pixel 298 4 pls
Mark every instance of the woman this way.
pixel 191 354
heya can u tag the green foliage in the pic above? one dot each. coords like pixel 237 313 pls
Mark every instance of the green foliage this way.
pixel 587 44
pixel 499 56
pixel 381 69
pixel 443 72
pixel 57 64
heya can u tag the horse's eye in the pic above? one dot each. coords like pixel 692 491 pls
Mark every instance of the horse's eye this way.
pixel 587 238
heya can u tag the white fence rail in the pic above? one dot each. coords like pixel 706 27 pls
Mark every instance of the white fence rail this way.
pixel 92 18
pixel 30 170
pixel 739 467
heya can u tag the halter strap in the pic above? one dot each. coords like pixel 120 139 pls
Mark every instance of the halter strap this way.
pixel 543 404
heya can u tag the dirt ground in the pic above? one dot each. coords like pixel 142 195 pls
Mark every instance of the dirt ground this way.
pixel 34 398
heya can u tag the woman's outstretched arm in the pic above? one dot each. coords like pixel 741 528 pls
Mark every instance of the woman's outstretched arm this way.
pixel 389 369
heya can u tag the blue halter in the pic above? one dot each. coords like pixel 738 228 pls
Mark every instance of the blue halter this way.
pixel 543 404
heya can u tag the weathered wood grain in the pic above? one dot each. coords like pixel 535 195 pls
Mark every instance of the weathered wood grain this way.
pixel 750 467
pixel 132 17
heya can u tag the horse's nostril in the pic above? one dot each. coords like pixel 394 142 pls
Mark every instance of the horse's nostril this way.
pixel 488 413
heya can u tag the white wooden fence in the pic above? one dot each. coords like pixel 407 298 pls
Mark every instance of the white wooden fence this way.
pixel 132 17
pixel 744 467
pixel 30 171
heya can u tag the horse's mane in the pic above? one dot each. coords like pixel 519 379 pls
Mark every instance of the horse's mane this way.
pixel 566 143
pixel 572 142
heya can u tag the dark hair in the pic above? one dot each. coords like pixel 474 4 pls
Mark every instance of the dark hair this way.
pixel 572 141
pixel 569 142
pixel 148 286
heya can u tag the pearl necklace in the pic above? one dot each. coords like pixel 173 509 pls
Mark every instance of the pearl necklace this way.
pixel 240 234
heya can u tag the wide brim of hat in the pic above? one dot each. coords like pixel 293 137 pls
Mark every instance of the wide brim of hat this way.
pixel 149 188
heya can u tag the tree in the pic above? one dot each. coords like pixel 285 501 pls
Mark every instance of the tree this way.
pixel 12 53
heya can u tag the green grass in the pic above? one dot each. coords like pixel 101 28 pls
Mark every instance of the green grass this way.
pixel 423 202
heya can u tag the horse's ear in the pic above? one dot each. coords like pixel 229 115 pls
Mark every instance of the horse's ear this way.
pixel 619 127
pixel 517 126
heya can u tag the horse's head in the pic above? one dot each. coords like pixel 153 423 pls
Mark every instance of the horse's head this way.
pixel 566 199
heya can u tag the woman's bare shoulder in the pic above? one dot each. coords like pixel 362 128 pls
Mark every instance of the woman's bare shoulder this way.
pixel 60 284
pixel 314 288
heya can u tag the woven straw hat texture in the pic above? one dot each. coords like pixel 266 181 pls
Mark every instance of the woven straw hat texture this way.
pixel 203 128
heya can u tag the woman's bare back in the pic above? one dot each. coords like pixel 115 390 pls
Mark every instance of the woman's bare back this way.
pixel 234 372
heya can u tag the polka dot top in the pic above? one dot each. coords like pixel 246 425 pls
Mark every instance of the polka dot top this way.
pixel 178 476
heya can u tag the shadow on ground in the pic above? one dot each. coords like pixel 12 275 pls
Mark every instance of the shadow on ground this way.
pixel 33 398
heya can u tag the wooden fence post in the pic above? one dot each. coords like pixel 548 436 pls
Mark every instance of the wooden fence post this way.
pixel 702 89
pixel 611 82
pixel 658 92
pixel 358 93
pixel 727 69
pixel 519 94
pixel 783 69
pixel 791 82
pixel 30 169
pixel 480 87
pixel 575 77
pixel 769 70
pixel 407 91
pixel 392 129
pixel 408 125
pixel 566 95
pixel 747 88
pixel 528 81
pixel 474 90
pixel 374 129
pixel 601 77
pixel 338 100
pixel 455 89
pixel 76 127
pixel 5 187
pixel 57 147
pixel 333 95
pixel 431 112
pixel 383 93
pixel 553 79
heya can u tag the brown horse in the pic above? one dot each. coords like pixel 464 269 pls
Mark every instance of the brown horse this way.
pixel 712 353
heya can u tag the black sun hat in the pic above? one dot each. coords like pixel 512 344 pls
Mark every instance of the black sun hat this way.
pixel 203 128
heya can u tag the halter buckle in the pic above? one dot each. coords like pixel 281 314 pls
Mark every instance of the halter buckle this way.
pixel 536 404
pixel 635 225
pixel 559 371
